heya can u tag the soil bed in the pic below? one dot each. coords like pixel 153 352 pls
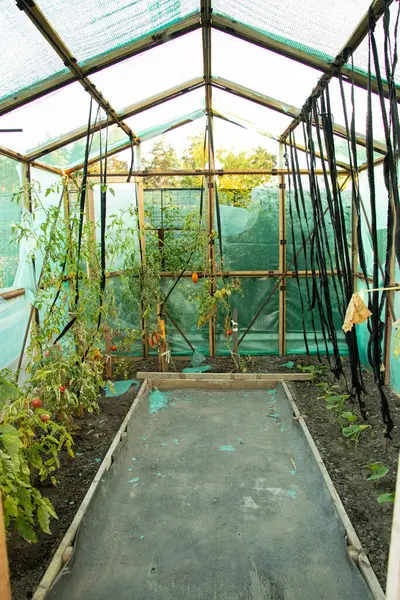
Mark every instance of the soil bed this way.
pixel 28 562
pixel 371 520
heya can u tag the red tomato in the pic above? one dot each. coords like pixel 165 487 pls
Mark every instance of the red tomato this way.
pixel 62 389
pixel 45 418
pixel 230 332
pixel 47 353
pixel 113 348
pixel 36 403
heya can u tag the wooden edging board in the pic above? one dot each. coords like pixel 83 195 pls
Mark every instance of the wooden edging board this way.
pixel 65 549
pixel 243 377
pixel 354 545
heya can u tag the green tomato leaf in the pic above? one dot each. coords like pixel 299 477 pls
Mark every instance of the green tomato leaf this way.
pixel 25 529
pixel 43 516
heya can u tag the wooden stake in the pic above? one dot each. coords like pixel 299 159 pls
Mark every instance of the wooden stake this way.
pixel 5 589
pixel 282 266
pixel 393 575
pixel 235 331
pixel 142 244
pixel 107 340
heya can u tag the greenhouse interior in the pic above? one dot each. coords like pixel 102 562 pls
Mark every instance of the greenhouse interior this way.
pixel 199 196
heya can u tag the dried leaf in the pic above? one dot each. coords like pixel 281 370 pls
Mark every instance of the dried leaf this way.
pixel 357 312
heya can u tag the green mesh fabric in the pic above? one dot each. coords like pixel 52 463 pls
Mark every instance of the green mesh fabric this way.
pixel 263 337
pixel 10 212
pixel 305 27
pixel 26 57
pixel 91 28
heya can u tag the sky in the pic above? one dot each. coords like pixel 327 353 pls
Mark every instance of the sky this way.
pixel 173 63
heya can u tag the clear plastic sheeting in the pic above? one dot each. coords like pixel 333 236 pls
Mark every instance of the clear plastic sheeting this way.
pixel 176 108
pixel 14 315
pixel 163 62
pixel 46 119
pixel 250 232
pixel 92 28
pixel 261 70
pixel 74 153
pixel 249 114
pixel 10 213
pixel 121 208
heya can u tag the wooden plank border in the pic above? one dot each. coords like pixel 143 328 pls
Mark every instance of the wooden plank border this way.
pixel 65 549
pixel 354 546
pixel 156 376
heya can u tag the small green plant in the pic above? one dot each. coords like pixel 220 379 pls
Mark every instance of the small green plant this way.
pixel 352 430
pixel 387 497
pixel 316 371
pixel 377 471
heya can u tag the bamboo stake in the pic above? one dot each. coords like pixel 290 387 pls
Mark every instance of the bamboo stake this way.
pixel 282 266
pixel 5 589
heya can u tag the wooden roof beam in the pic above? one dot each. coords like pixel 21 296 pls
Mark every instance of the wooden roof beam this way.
pixel 23 159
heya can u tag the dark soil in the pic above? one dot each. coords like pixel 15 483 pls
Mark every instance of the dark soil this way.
pixel 371 520
pixel 28 562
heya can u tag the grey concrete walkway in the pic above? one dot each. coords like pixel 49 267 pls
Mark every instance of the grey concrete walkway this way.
pixel 203 503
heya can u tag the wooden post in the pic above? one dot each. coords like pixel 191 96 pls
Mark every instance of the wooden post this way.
pixel 393 575
pixel 142 242
pixel 162 343
pixel 5 589
pixel 90 219
pixel 282 266
pixel 107 340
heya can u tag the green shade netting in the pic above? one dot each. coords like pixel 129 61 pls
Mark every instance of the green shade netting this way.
pixel 92 28
pixel 315 28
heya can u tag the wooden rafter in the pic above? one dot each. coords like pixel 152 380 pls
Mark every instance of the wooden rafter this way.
pixel 129 111
pixel 23 159
pixel 217 172
pixel 374 14
pixel 52 37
